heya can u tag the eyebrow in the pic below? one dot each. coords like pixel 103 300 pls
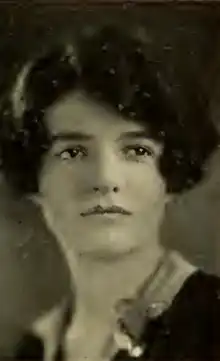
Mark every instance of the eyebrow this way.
pixel 135 134
pixel 85 137
pixel 72 136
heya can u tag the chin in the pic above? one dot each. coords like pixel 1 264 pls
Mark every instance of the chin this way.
pixel 107 255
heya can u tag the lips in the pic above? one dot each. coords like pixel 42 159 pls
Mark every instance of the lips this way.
pixel 99 210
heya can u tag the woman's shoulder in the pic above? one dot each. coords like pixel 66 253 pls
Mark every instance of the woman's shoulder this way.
pixel 197 304
pixel 189 328
pixel 201 289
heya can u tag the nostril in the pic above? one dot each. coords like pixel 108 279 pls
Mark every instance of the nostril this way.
pixel 100 189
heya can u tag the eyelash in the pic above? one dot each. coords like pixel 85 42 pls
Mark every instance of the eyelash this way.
pixel 72 150
pixel 147 150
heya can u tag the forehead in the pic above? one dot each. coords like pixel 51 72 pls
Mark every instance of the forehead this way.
pixel 76 112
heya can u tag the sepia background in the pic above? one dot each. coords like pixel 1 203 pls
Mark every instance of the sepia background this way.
pixel 184 39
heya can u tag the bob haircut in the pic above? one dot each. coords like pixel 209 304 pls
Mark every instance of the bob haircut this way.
pixel 111 67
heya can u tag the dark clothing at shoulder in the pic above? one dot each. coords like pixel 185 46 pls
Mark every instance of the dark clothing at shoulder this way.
pixel 189 330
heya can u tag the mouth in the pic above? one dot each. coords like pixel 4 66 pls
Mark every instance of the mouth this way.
pixel 106 211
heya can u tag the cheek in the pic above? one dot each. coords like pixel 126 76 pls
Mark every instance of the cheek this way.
pixel 147 184
pixel 59 185
pixel 58 199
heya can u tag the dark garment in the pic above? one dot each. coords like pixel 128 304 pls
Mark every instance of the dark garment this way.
pixel 188 330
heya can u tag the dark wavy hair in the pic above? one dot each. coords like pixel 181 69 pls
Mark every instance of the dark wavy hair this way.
pixel 111 67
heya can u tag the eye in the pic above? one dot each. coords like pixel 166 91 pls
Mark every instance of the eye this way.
pixel 74 152
pixel 139 151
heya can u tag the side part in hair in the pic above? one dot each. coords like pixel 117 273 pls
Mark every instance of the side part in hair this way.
pixel 18 99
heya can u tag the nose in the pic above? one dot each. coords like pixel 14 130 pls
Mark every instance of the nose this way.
pixel 107 175
pixel 105 189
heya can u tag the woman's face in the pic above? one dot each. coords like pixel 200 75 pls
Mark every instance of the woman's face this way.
pixel 98 158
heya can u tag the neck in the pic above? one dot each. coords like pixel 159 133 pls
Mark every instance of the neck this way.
pixel 99 284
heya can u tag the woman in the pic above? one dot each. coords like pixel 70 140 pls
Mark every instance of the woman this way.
pixel 91 134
